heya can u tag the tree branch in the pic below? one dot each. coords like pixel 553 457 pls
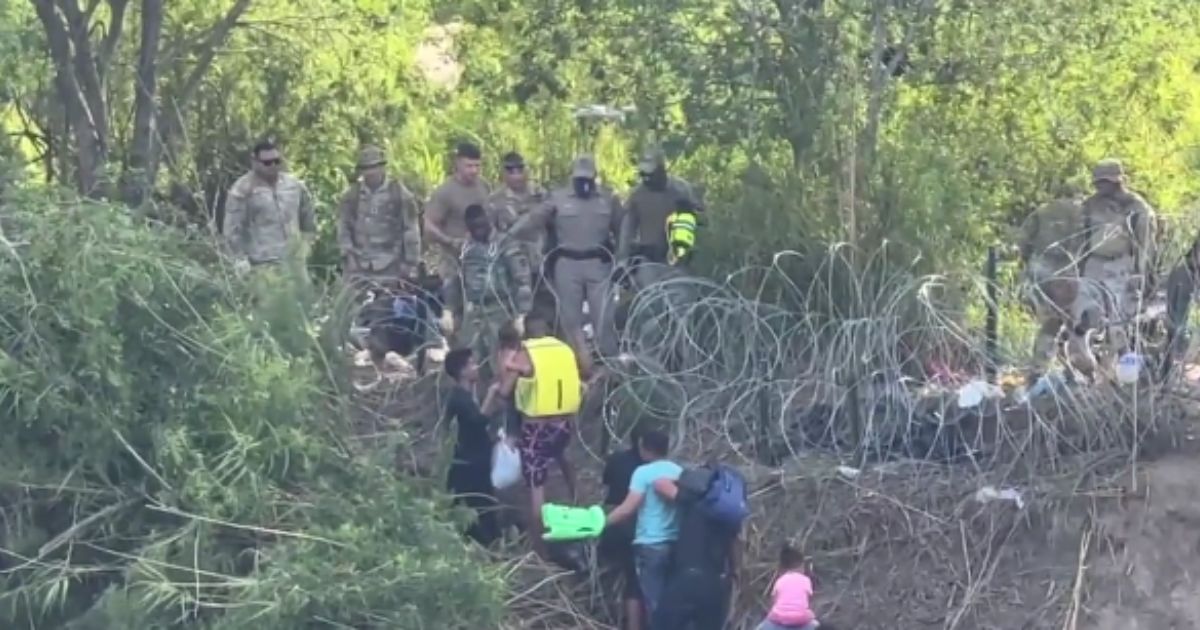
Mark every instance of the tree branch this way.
pixel 208 51
pixel 85 70
pixel 116 27
pixel 171 113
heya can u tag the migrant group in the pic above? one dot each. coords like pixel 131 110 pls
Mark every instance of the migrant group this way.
pixel 670 534
pixel 521 271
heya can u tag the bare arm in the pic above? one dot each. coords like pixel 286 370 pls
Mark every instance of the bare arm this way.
pixel 627 509
pixel 435 218
pixel 666 488
pixel 493 401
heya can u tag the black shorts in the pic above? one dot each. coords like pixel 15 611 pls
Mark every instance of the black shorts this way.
pixel 616 550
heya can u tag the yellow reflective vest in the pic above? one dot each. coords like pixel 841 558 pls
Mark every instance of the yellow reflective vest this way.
pixel 555 388
pixel 681 235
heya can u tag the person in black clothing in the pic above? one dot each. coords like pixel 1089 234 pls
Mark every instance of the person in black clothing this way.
pixel 470 479
pixel 616 543
pixel 704 564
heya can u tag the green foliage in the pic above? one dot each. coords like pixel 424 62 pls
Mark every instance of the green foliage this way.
pixel 176 452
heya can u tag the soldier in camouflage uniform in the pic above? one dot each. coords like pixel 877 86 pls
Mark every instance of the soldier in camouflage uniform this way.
pixel 1118 255
pixel 377 227
pixel 496 285
pixel 266 212
pixel 1050 250
pixel 514 200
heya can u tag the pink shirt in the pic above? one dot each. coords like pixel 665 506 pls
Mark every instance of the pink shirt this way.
pixel 791 594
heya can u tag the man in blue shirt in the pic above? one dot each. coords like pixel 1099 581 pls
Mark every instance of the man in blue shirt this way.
pixel 657 523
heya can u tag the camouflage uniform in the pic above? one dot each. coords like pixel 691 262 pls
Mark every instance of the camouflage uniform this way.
pixel 262 221
pixel 1117 256
pixel 1050 247
pixel 377 230
pixel 583 230
pixel 507 206
pixel 496 285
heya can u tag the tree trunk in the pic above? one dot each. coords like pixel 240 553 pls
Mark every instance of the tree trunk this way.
pixel 86 75
pixel 138 177
pixel 90 154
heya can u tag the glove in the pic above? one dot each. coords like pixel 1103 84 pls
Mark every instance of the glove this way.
pixel 524 299
pixel 241 266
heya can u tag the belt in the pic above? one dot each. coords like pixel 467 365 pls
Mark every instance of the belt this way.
pixel 597 253
pixel 488 301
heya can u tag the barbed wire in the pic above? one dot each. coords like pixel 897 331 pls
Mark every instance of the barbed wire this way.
pixel 862 360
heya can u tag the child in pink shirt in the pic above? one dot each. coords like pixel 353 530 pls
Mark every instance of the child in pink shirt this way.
pixel 790 606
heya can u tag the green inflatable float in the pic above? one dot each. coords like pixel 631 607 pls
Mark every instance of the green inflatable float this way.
pixel 564 523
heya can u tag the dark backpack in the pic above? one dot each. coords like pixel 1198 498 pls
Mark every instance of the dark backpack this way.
pixel 724 499
pixel 712 507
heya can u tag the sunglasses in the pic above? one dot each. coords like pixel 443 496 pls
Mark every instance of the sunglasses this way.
pixel 272 162
pixel 514 168
pixel 371 166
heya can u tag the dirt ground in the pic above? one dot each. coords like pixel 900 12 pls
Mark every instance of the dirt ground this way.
pixel 906 544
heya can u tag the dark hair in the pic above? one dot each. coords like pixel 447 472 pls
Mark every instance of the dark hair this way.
pixel 262 146
pixel 535 317
pixel 456 360
pixel 656 442
pixel 512 158
pixel 509 336
pixel 468 150
pixel 635 435
pixel 474 211
pixel 790 558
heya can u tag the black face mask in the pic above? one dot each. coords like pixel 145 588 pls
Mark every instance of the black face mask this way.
pixel 656 180
pixel 584 187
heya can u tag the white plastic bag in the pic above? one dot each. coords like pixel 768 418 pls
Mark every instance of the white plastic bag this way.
pixel 973 394
pixel 506 463
pixel 1129 367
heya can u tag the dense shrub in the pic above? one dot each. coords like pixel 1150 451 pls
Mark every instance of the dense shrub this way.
pixel 175 448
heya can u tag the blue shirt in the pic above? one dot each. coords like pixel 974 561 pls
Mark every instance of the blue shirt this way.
pixel 656 519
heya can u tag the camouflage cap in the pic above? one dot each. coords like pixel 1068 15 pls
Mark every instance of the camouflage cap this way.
pixel 584 166
pixel 370 156
pixel 1108 170
pixel 652 160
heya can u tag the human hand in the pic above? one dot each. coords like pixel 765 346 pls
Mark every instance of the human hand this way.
pixel 241 266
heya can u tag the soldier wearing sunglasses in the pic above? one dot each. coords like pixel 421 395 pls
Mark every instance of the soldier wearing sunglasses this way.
pixel 266 212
